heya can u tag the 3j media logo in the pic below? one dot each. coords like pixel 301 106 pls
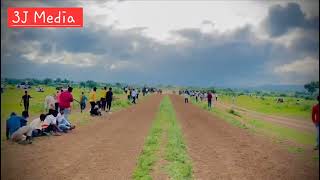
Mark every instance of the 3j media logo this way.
pixel 45 17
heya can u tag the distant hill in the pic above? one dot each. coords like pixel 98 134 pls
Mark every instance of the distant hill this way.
pixel 279 88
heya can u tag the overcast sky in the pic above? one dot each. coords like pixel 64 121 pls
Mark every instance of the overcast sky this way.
pixel 201 43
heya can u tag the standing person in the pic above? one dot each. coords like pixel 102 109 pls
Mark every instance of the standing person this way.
pixel 134 96
pixel 209 97
pixel 56 105
pixel 216 97
pixel 197 96
pixel 127 94
pixel 213 98
pixel 17 129
pixel 233 99
pixel 103 98
pixel 315 120
pixel 93 98
pixel 144 91
pixel 65 102
pixel 138 91
pixel 25 98
pixel 130 94
pixel 186 97
pixel 49 103
pixel 109 96
pixel 83 101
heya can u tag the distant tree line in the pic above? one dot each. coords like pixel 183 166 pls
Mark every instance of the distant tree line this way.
pixel 58 81
pixel 312 90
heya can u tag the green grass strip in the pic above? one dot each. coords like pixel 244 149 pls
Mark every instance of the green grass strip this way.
pixel 148 155
pixel 178 164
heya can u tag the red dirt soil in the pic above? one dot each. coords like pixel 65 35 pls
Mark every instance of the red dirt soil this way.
pixel 107 148
pixel 221 151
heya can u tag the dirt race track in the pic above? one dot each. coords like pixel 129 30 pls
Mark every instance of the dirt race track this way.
pixel 108 149
pixel 221 151
pixel 105 149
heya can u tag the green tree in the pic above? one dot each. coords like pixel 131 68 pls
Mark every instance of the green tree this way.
pixel 58 80
pixel 47 81
pixel 83 84
pixel 65 81
pixel 91 84
pixel 312 86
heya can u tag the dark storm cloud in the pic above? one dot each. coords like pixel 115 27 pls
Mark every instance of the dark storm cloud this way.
pixel 283 18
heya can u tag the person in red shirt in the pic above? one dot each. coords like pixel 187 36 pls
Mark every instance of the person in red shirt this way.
pixel 209 97
pixel 315 120
pixel 65 101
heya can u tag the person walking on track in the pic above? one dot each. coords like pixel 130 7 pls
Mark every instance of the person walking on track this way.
pixel 93 98
pixel 103 98
pixel 109 99
pixel 186 97
pixel 315 120
pixel 65 101
pixel 209 97
pixel 134 96
pixel 83 101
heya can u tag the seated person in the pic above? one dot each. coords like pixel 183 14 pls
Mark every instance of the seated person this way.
pixel 50 123
pixel 63 124
pixel 36 126
pixel 96 110
pixel 17 130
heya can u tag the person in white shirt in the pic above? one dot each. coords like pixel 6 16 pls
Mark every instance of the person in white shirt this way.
pixel 50 123
pixel 49 103
pixel 186 97
pixel 36 126
pixel 63 124
pixel 134 96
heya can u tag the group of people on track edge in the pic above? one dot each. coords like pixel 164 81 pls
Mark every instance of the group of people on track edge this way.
pixel 56 120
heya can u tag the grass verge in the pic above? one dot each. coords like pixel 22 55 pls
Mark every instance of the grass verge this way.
pixel 256 125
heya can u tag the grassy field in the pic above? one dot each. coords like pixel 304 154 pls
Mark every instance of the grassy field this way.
pixel 291 107
pixel 165 133
pixel 255 125
pixel 10 102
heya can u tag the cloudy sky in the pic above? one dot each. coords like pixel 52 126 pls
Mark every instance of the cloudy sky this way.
pixel 201 43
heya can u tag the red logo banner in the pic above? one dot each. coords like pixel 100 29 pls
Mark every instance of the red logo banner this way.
pixel 45 17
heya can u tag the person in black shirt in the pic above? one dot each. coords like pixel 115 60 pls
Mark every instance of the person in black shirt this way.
pixel 25 98
pixel 109 99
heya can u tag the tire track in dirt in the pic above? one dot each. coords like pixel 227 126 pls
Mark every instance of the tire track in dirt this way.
pixel 222 151
pixel 105 149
